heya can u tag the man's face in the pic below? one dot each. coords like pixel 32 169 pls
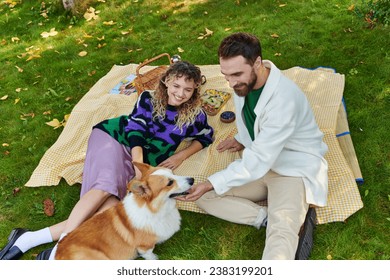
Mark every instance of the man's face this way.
pixel 240 75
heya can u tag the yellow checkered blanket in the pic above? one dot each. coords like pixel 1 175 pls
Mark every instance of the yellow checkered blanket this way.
pixel 323 87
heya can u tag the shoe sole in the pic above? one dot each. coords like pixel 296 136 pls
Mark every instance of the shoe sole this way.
pixel 305 244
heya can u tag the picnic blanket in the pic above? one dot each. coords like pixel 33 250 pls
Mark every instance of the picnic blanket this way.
pixel 323 87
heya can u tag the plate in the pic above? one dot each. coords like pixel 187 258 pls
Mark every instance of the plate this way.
pixel 213 100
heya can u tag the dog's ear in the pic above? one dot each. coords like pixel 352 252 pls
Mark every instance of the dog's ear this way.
pixel 143 167
pixel 140 188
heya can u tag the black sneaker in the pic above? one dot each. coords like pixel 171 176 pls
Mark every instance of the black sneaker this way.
pixel 305 244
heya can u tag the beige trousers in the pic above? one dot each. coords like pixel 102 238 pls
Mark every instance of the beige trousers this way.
pixel 287 209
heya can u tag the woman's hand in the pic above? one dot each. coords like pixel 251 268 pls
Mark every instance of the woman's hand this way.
pixel 137 155
pixel 138 174
pixel 230 144
pixel 172 162
pixel 176 159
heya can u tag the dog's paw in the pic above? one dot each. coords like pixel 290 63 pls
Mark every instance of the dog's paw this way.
pixel 148 255
pixel 151 256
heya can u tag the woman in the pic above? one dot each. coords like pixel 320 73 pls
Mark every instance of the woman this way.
pixel 159 122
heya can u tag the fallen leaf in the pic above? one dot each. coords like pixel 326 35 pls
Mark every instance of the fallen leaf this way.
pixel 109 22
pixel 15 191
pixel 32 52
pixel 282 5
pixel 51 33
pixel 329 257
pixel 48 207
pixel 83 53
pixel 16 101
pixel 205 35
pixel 4 97
pixel 90 14
pixel 351 8
pixel 180 50
pixel 47 113
pixel 274 35
pixel 277 54
pixel 24 116
pixel 227 28
pixel 209 32
pixel 66 117
pixel 55 123
pixel 87 35
pixel 15 39
pixel 10 3
pixel 80 41
pixel 5 145
pixel 20 70
pixel 18 90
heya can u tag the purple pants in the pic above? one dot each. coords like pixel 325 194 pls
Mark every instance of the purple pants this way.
pixel 108 165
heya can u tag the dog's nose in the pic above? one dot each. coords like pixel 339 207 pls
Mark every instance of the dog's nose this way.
pixel 190 180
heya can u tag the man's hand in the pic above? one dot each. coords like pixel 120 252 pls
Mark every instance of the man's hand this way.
pixel 230 144
pixel 196 191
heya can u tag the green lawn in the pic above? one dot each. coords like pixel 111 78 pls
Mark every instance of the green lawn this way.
pixel 41 79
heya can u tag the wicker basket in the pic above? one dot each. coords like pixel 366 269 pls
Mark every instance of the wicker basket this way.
pixel 149 79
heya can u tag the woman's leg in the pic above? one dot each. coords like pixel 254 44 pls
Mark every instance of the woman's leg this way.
pixel 107 170
pixel 85 208
pixel 110 202
pixel 57 229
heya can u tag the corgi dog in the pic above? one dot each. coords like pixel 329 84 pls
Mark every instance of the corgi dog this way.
pixel 147 216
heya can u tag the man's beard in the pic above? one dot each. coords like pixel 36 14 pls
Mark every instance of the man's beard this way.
pixel 243 89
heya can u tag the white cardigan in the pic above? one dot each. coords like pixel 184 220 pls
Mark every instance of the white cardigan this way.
pixel 287 141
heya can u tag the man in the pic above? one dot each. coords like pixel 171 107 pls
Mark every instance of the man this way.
pixel 283 152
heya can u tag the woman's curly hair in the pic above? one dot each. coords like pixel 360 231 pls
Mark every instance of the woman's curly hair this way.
pixel 187 111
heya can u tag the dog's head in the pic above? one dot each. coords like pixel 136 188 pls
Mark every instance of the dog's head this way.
pixel 158 184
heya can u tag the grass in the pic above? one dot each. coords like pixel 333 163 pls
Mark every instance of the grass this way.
pixel 309 34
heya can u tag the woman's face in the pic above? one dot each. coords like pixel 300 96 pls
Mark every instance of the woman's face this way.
pixel 179 90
